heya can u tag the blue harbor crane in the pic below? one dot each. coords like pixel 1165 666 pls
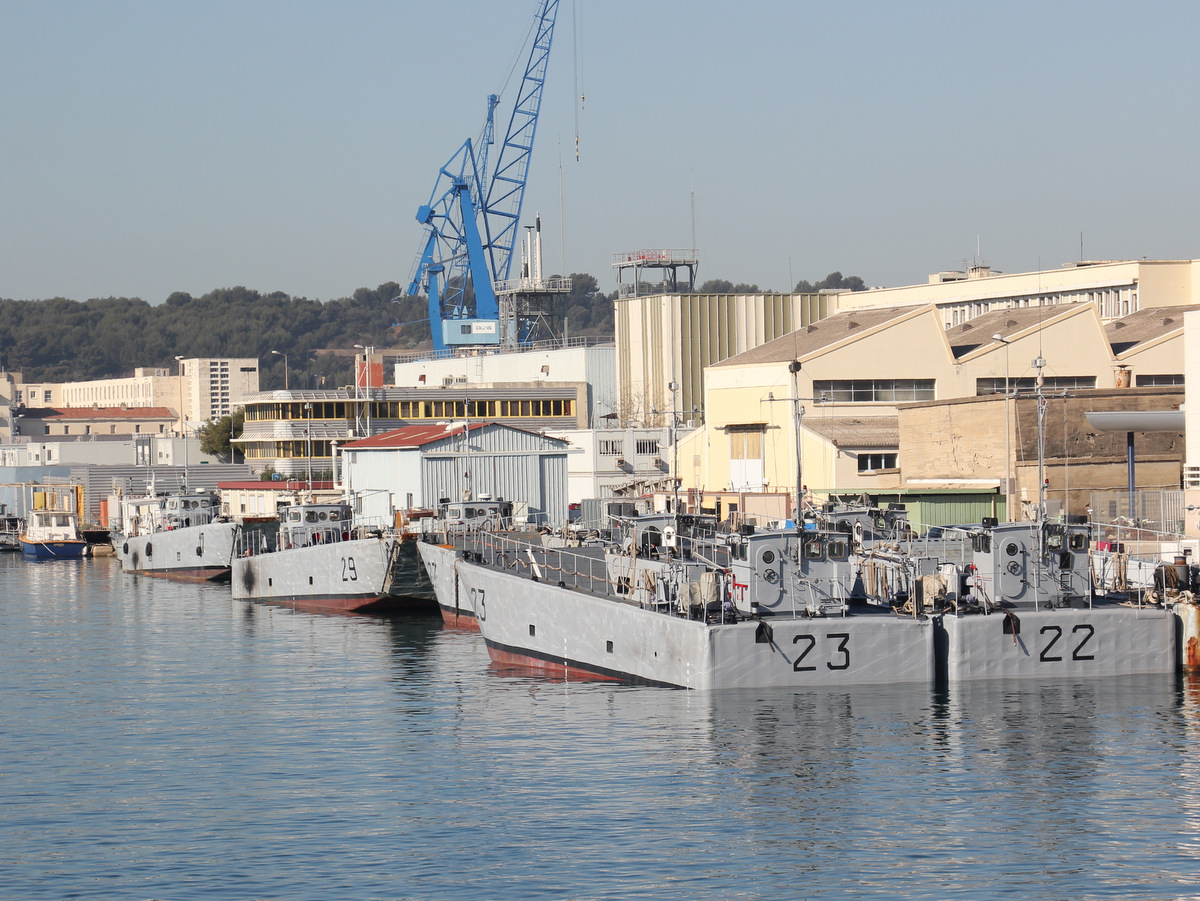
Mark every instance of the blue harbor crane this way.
pixel 472 215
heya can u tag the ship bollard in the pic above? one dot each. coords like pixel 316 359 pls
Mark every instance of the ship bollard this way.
pixel 1189 637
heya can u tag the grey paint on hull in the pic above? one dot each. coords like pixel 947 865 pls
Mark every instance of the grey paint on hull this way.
pixel 344 570
pixel 196 548
pixel 568 629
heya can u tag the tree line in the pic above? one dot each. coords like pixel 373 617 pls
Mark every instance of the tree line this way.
pixel 62 340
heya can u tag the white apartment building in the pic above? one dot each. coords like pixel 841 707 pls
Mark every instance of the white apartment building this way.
pixel 213 388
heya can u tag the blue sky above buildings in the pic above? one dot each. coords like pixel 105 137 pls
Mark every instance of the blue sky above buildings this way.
pixel 150 147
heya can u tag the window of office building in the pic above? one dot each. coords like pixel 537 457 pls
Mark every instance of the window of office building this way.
pixel 1159 381
pixel 1028 385
pixel 844 391
pixel 873 462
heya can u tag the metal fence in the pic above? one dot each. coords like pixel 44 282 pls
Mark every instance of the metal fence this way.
pixel 1160 510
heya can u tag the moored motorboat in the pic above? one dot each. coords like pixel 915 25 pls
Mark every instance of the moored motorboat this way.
pixel 52 535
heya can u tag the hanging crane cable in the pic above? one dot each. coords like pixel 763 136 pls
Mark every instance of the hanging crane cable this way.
pixel 577 38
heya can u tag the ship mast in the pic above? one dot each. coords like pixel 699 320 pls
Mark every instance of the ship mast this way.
pixel 797 418
pixel 1040 364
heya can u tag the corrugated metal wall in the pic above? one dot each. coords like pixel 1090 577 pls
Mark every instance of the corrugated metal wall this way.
pixel 98 481
pixel 953 509
pixel 661 337
pixel 514 465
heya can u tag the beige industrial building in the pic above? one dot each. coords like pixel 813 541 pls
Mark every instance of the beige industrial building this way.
pixel 572 361
pixel 88 423
pixel 671 338
pixel 855 379
pixel 666 339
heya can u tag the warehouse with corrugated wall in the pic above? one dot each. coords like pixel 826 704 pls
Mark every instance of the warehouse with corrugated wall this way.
pixel 418 466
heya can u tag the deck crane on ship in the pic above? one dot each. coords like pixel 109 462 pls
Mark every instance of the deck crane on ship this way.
pixel 472 221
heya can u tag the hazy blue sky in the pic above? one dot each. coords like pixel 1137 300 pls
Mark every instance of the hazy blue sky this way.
pixel 149 147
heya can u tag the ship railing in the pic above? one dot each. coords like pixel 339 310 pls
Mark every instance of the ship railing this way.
pixel 434 527
pixel 662 585
pixel 368 526
pixel 258 540
pixel 1132 558
pixel 201 516
pixel 564 567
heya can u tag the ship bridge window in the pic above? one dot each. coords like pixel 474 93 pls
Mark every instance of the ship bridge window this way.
pixel 1054 537
pixel 310 516
pixel 813 549
pixel 651 538
pixel 1077 541
pixel 838 549
pixel 981 542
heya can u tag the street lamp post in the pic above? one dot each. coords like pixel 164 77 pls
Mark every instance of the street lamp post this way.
pixel 183 419
pixel 1007 449
pixel 285 367
pixel 308 435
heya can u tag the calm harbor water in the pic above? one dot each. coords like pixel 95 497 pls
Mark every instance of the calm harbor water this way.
pixel 161 740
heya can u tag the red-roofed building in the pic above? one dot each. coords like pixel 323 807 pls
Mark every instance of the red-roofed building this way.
pixel 112 423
